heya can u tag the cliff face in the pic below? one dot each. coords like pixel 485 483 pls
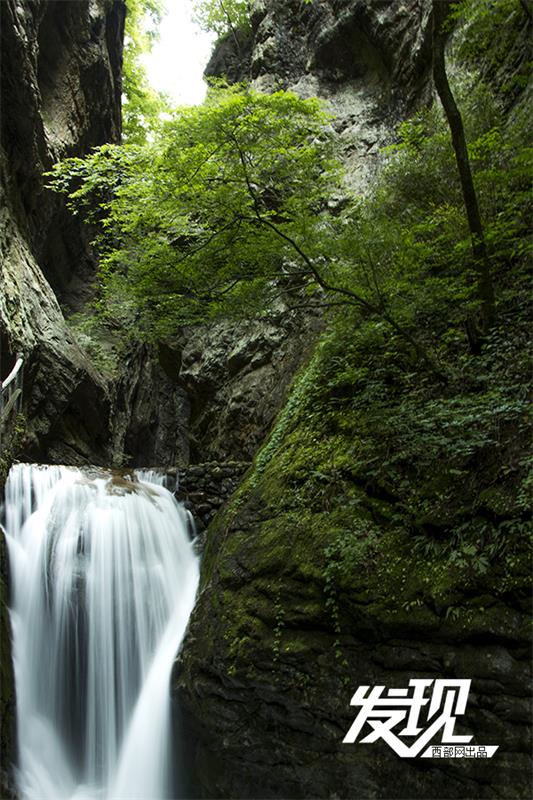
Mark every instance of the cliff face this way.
pixel 60 96
pixel 369 63
pixel 61 88
pixel 336 41
pixel 281 636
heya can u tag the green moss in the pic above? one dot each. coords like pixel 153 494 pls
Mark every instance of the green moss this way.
pixel 388 497
pixel 376 525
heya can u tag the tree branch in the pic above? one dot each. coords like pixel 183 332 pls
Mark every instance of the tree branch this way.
pixel 353 297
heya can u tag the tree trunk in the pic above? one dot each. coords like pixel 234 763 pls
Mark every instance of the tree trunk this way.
pixel 527 8
pixel 441 9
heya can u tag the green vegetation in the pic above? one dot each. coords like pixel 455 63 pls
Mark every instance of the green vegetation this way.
pixel 223 16
pixel 229 207
pixel 494 37
pixel 142 105
pixel 201 222
pixel 400 463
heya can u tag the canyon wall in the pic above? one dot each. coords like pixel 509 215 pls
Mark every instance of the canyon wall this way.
pixel 283 633
pixel 61 94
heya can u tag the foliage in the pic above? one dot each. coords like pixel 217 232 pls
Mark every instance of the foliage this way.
pixel 227 209
pixel 416 209
pixel 202 221
pixel 222 16
pixel 142 105
pixel 493 38
pixel 104 341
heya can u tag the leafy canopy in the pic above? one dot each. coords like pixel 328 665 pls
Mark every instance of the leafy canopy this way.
pixel 211 216
pixel 241 199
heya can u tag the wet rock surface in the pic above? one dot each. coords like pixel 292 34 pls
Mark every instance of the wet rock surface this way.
pixel 204 488
pixel 268 669
pixel 271 660
pixel 61 87
pixel 150 411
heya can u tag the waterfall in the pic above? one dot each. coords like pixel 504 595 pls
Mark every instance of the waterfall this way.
pixel 104 579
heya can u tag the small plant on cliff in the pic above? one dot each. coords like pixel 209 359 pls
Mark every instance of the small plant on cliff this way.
pixel 223 16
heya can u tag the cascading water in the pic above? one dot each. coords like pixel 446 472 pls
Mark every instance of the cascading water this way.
pixel 104 579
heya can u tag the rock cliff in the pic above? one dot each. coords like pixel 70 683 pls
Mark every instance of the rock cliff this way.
pixel 281 636
pixel 61 90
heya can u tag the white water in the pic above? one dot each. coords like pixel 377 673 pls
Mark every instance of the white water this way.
pixel 104 580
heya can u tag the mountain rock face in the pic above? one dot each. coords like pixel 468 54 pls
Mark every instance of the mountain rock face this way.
pixel 337 41
pixel 369 63
pixel 61 90
pixel 236 377
pixel 275 647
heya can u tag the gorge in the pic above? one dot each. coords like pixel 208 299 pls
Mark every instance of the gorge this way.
pixel 103 583
pixel 360 495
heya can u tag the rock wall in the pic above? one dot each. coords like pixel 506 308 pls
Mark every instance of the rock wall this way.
pixel 236 377
pixel 150 410
pixel 61 89
pixel 275 650
pixel 204 488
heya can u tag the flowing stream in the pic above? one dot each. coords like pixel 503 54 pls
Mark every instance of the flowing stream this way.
pixel 104 579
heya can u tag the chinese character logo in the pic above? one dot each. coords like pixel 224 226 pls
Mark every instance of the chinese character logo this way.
pixel 410 719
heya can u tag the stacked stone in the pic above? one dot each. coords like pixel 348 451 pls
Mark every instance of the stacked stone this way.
pixel 203 488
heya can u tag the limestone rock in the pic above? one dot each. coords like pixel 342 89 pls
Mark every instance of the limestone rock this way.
pixel 265 676
pixel 237 376
pixel 61 87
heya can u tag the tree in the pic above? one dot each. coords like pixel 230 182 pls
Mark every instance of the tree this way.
pixel 222 16
pixel 225 212
pixel 208 216
pixel 142 105
pixel 441 10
